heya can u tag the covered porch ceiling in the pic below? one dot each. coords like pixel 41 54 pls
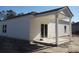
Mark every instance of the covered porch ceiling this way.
pixel 62 16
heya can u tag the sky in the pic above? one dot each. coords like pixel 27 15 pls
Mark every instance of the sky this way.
pixel 27 9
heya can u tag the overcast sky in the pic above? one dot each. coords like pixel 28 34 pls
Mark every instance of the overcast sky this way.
pixel 26 9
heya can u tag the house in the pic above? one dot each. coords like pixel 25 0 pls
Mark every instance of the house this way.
pixel 75 28
pixel 50 27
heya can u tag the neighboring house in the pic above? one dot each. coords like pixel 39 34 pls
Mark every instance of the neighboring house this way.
pixel 75 28
pixel 51 27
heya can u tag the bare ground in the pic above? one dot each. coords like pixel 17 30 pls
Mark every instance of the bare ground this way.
pixel 71 47
pixel 8 45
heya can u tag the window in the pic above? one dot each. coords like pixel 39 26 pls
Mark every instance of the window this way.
pixel 44 30
pixel 65 29
pixel 4 28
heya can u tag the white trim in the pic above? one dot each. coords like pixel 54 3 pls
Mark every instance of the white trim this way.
pixel 56 27
pixel 70 29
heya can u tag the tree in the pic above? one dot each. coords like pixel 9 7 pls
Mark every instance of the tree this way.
pixel 10 14
pixel 73 22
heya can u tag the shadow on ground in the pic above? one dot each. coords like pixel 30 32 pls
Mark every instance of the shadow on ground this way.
pixel 9 45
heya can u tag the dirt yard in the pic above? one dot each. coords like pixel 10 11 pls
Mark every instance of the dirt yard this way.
pixel 8 45
pixel 72 47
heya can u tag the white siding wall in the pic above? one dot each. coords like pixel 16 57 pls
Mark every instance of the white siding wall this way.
pixel 36 28
pixel 62 35
pixel 61 30
pixel 17 27
pixel 21 28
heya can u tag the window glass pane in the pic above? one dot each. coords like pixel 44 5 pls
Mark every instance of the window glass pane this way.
pixel 42 30
pixel 64 28
pixel 4 28
pixel 46 30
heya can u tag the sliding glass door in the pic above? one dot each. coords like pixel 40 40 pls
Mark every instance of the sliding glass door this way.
pixel 44 30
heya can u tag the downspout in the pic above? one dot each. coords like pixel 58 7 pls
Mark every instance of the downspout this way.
pixel 56 27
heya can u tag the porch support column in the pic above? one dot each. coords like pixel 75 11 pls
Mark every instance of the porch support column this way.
pixel 70 29
pixel 56 28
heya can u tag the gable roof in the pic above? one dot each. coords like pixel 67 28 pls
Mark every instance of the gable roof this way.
pixel 19 16
pixel 35 13
pixel 58 9
pixel 69 11
pixel 54 10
